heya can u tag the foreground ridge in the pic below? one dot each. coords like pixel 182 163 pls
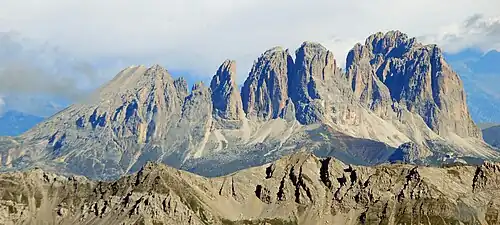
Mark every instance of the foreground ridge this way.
pixel 297 189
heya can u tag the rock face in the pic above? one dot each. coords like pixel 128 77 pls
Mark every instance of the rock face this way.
pixel 197 118
pixel 265 92
pixel 225 95
pixel 366 86
pixel 415 76
pixel 313 78
pixel 298 189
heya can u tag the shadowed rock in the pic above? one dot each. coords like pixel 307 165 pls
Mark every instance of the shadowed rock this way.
pixel 265 91
pixel 225 95
pixel 415 76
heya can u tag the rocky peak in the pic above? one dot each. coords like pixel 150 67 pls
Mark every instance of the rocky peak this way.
pixel 138 108
pixel 196 119
pixel 415 76
pixel 181 87
pixel 310 49
pixel 315 76
pixel 383 44
pixel 198 86
pixel 160 90
pixel 226 73
pixel 156 73
pixel 225 94
pixel 314 65
pixel 200 89
pixel 265 91
pixel 371 92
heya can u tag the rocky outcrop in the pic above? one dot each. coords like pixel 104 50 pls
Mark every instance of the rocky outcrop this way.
pixel 196 119
pixel 265 91
pixel 416 77
pixel 314 79
pixel 225 94
pixel 371 92
pixel 297 189
pixel 181 87
pixel 410 153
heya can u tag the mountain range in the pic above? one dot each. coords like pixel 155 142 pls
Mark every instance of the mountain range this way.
pixel 492 135
pixel 398 100
pixel 15 123
pixel 480 74
pixel 477 70
pixel 388 140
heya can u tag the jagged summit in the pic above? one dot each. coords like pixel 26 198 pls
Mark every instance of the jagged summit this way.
pixel 225 96
pixel 415 76
pixel 274 50
pixel 197 86
pixel 383 43
pixel 265 90
pixel 398 98
pixel 135 77
pixel 311 47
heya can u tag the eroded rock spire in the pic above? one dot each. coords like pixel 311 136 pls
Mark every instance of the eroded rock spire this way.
pixel 225 94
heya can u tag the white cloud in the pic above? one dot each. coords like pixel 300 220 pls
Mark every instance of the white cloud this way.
pixel 477 31
pixel 28 67
pixel 2 105
pixel 197 35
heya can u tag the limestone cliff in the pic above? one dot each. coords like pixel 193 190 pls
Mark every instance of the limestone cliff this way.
pixel 313 81
pixel 225 94
pixel 415 76
pixel 265 91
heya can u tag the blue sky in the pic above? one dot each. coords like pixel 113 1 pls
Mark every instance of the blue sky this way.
pixel 65 48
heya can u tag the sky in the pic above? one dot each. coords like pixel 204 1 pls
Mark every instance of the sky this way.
pixel 61 47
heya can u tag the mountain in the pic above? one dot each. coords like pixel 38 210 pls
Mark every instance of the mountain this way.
pixel 416 77
pixel 298 189
pixel 14 123
pixel 487 63
pixel 480 74
pixel 492 136
pixel 398 101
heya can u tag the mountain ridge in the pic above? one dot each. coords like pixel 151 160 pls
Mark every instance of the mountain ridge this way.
pixel 492 135
pixel 15 123
pixel 480 74
pixel 297 189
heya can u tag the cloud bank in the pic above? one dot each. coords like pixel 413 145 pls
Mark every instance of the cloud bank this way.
pixel 477 31
pixel 197 35
pixel 28 67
